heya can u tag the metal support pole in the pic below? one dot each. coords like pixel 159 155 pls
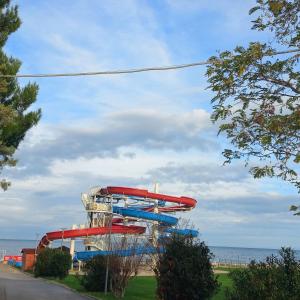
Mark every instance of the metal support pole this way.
pixel 36 245
pixel 155 223
pixel 109 248
pixel 72 246
pixel 62 240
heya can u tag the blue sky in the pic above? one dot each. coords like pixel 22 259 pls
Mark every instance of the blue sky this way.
pixel 135 129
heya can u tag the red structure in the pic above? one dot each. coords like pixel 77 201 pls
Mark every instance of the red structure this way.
pixel 85 232
pixel 7 258
pixel 182 203
pixel 28 259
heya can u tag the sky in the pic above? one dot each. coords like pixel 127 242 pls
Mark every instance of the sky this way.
pixel 138 129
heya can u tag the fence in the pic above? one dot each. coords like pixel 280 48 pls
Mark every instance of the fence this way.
pixel 230 263
pixel 2 254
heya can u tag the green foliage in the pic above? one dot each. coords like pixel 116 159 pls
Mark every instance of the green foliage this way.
pixel 94 278
pixel 139 288
pixel 256 102
pixel 53 263
pixel 274 279
pixel 15 120
pixel 295 209
pixel 280 17
pixel 184 271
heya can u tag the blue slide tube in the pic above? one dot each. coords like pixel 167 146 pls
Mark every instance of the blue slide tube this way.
pixel 140 214
pixel 190 232
pixel 86 255
pixel 130 212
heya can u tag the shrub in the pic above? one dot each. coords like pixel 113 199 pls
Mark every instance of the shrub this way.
pixel 278 278
pixel 53 263
pixel 184 270
pixel 94 278
pixel 122 269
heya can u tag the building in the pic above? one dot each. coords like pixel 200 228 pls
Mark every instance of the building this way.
pixel 28 258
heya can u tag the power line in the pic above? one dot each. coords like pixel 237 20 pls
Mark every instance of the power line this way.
pixel 128 71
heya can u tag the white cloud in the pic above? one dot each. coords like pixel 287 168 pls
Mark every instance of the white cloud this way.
pixel 234 18
pixel 148 130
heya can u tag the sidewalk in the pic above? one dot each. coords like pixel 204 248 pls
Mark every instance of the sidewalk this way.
pixel 15 285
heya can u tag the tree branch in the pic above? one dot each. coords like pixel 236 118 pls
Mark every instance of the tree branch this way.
pixel 281 82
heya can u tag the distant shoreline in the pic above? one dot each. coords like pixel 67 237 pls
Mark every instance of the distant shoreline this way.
pixel 210 246
pixel 252 248
pixel 21 240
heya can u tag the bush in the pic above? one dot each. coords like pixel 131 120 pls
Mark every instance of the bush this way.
pixel 184 271
pixel 53 263
pixel 122 269
pixel 274 279
pixel 94 278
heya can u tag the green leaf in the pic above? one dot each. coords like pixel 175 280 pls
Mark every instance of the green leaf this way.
pixel 265 140
pixel 294 208
pixel 253 9
pixel 276 7
pixel 297 159
pixel 5 184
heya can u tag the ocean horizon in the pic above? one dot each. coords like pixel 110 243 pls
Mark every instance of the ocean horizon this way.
pixel 222 254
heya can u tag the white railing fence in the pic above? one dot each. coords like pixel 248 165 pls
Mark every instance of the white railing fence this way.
pixel 2 254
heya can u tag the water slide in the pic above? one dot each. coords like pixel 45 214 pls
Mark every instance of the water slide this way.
pixel 86 232
pixel 183 203
pixel 86 255
pixel 150 202
pixel 141 214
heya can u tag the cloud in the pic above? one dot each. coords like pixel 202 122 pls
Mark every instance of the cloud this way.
pixel 199 172
pixel 142 129
pixel 255 220
pixel 234 18
pixel 50 202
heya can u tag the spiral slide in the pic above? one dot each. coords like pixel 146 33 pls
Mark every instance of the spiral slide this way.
pixel 185 203
pixel 86 232
pixel 144 213
pixel 148 203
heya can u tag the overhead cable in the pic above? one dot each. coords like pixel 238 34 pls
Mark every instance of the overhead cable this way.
pixel 128 71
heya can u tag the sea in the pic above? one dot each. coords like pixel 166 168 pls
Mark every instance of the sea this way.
pixel 224 255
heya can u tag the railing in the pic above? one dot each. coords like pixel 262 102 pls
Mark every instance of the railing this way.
pixel 2 254
pixel 230 263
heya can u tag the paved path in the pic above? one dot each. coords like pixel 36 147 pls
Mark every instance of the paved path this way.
pixel 15 285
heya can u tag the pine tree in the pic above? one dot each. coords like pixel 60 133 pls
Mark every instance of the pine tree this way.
pixel 15 100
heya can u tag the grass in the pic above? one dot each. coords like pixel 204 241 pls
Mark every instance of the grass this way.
pixel 225 283
pixel 72 282
pixel 139 288
pixel 142 287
